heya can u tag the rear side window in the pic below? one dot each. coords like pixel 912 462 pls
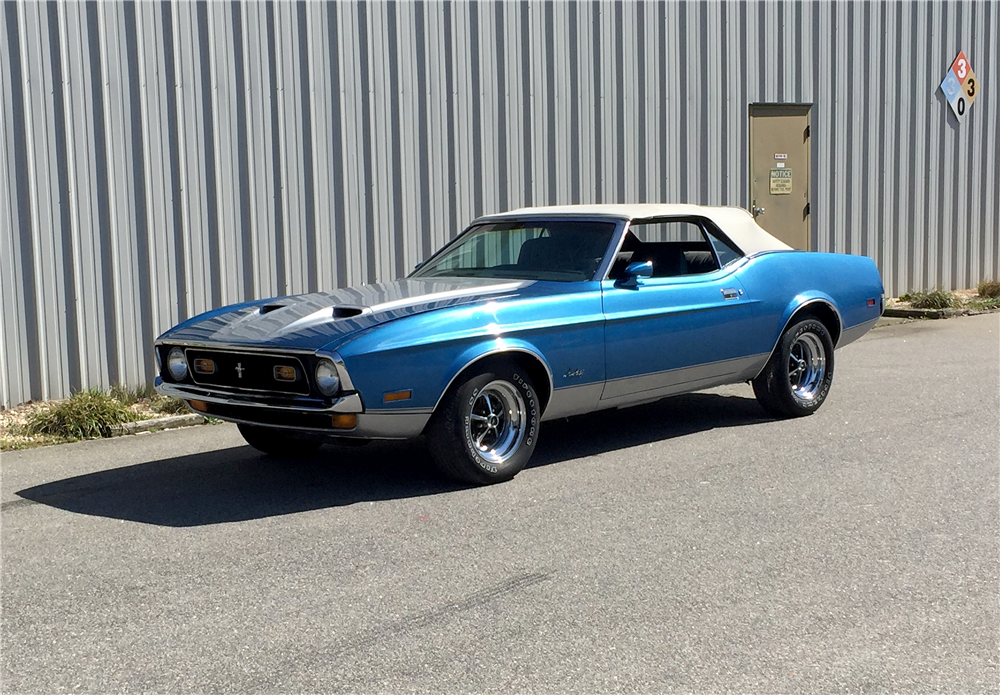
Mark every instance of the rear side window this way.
pixel 726 252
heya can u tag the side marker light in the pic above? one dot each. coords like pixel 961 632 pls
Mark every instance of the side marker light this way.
pixel 200 406
pixel 397 396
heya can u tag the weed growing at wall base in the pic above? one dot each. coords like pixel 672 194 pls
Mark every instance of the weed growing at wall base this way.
pixel 85 414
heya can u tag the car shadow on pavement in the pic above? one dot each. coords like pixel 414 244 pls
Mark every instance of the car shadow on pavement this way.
pixel 240 484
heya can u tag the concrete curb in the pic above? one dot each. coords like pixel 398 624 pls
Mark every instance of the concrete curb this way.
pixel 160 423
pixel 935 313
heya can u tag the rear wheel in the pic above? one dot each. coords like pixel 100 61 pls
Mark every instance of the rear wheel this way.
pixel 274 441
pixel 797 378
pixel 485 430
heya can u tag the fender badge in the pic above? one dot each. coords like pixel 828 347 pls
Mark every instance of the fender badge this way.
pixel 572 372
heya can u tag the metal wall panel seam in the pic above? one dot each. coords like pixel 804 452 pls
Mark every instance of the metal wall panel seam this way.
pixel 91 294
pixel 320 102
pixel 935 150
pixel 890 162
pixel 861 151
pixel 958 229
pixel 989 262
pixel 47 170
pixel 184 193
pixel 226 244
pixel 938 246
pixel 626 89
pixel 290 119
pixel 12 387
pixel 840 107
pixel 378 144
pixel 32 184
pixel 65 233
pixel 876 38
pixel 733 117
pixel 969 240
pixel 117 152
pixel 908 133
pixel 275 173
pixel 151 189
pixel 285 188
pixel 347 56
pixel 710 165
pixel 301 239
pixel 254 58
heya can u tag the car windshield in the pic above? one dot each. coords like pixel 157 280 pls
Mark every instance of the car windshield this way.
pixel 559 250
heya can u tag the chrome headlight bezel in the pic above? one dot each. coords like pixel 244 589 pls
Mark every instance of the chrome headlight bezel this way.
pixel 327 377
pixel 177 366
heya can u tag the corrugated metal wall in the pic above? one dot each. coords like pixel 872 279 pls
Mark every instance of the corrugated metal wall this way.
pixel 162 159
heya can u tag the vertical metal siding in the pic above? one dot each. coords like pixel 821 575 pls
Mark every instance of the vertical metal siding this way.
pixel 163 159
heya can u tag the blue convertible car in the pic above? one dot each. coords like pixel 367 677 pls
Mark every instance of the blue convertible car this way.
pixel 529 315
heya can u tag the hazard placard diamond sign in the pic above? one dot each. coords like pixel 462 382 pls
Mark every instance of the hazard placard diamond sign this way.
pixel 960 86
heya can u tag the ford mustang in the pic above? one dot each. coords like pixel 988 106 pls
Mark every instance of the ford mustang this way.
pixel 526 316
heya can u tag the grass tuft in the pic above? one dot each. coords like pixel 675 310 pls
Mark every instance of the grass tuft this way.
pixel 989 289
pixel 130 396
pixel 84 415
pixel 980 303
pixel 169 406
pixel 935 299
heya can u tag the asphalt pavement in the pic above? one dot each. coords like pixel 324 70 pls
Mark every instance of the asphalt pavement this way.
pixel 692 545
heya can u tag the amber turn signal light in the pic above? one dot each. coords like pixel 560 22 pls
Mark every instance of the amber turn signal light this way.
pixel 284 373
pixel 397 396
pixel 200 406
pixel 204 366
pixel 344 421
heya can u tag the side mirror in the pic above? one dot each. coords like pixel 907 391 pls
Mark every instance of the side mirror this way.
pixel 634 271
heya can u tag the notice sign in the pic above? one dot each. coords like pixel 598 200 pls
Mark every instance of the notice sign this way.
pixel 781 181
pixel 960 86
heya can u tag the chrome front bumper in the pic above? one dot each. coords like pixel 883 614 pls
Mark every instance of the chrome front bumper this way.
pixel 306 415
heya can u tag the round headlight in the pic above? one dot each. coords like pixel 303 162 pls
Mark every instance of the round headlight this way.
pixel 177 364
pixel 327 379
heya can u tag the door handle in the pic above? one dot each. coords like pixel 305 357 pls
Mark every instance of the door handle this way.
pixel 756 210
pixel 731 293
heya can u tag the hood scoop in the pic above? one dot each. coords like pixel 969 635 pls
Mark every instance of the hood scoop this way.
pixel 346 312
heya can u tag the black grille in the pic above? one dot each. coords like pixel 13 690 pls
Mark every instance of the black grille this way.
pixel 248 371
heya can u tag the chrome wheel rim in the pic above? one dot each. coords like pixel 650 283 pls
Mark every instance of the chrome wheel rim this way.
pixel 495 425
pixel 806 367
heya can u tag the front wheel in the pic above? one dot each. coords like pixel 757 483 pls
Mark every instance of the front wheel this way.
pixel 797 378
pixel 486 429
pixel 273 441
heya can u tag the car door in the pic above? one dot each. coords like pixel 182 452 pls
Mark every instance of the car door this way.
pixel 686 327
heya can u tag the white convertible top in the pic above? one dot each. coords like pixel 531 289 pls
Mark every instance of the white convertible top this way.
pixel 738 224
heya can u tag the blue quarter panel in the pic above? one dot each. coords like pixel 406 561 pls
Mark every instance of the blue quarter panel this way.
pixel 782 281
pixel 561 322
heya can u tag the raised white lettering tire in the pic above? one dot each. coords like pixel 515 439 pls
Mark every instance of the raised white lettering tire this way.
pixel 485 430
pixel 798 376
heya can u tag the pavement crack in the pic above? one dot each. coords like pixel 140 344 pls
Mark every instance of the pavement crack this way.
pixel 433 615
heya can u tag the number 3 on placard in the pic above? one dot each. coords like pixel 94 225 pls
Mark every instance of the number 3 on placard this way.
pixel 971 84
pixel 963 68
